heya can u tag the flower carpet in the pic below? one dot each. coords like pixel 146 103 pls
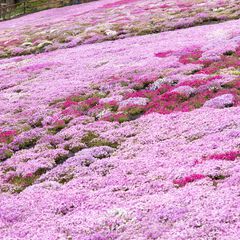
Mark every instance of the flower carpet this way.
pixel 121 137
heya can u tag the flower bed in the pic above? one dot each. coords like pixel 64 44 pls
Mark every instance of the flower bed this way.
pixel 107 20
pixel 132 139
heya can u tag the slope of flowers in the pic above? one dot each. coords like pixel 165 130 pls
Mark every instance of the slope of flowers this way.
pixel 107 20
pixel 133 139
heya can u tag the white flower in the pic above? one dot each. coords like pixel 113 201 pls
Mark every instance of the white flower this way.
pixel 110 33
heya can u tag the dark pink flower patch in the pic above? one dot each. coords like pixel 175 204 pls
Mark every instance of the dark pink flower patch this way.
pixel 238 51
pixel 214 78
pixel 72 112
pixel 69 103
pixel 79 107
pixel 7 136
pixel 163 54
pixel 195 83
pixel 228 156
pixel 191 56
pixel 181 182
pixel 164 6
pixel 91 102
pixel 174 96
pixel 162 98
pixel 226 61
pixel 209 70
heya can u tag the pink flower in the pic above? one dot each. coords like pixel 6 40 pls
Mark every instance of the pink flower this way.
pixel 228 156
pixel 163 54
pixel 188 179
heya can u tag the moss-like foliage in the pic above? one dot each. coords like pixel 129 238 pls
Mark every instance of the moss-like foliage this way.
pixel 22 182
pixel 7 154
pixel 80 98
pixel 235 72
pixel 88 137
pixel 9 169
pixel 142 85
pixel 124 84
pixel 28 143
pixel 83 97
pixel 56 129
pixel 135 112
pixel 91 139
pixel 218 177
pixel 26 127
pixel 229 53
pixel 86 163
pixel 102 142
pixel 74 149
pixel 61 158
pixel 65 178
pixel 56 101
pixel 113 107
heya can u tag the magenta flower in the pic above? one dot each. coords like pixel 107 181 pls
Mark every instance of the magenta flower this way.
pixel 181 182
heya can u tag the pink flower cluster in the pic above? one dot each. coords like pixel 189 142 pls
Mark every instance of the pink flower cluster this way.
pixel 7 136
pixel 100 141
pixel 107 20
pixel 192 178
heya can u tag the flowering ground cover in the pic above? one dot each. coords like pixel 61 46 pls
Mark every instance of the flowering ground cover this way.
pixel 107 20
pixel 137 138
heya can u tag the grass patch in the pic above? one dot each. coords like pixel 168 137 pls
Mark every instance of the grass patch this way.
pixel 65 178
pixel 92 140
pixel 28 143
pixel 21 182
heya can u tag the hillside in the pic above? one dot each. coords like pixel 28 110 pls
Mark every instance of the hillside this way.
pixel 122 137
pixel 107 20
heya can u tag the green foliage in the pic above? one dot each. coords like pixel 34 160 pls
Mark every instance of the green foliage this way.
pixel 56 101
pixel 65 178
pixel 197 104
pixel 124 84
pixel 142 85
pixel 123 119
pixel 22 182
pixel 8 153
pixel 83 97
pixel 135 111
pixel 56 129
pixel 28 143
pixel 229 53
pixel 218 177
pixel 102 142
pixel 88 137
pixel 9 169
pixel 92 140
pixel 111 107
pixel 74 149
pixel 61 158
pixel 235 72
pixel 229 85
